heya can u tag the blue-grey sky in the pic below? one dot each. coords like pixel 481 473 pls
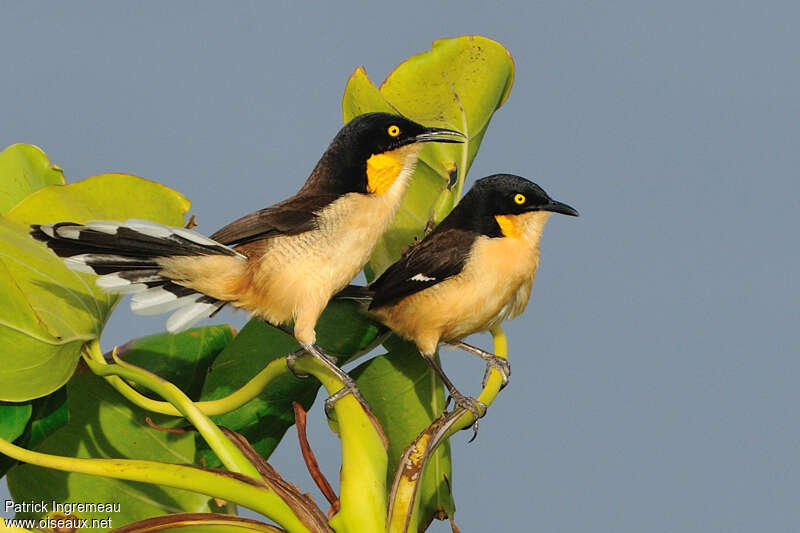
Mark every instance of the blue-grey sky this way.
pixel 655 370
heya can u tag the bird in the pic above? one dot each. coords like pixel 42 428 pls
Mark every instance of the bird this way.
pixel 472 272
pixel 281 263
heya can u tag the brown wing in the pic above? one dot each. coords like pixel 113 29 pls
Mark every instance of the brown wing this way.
pixel 294 215
pixel 439 256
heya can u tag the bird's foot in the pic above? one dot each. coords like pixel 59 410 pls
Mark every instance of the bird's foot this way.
pixel 350 386
pixel 291 361
pixel 501 365
pixel 477 408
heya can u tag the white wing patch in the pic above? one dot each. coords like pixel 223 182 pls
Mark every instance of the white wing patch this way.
pixel 421 277
pixel 159 300
pixel 195 237
pixel 103 226
pixel 187 316
pixel 113 283
pixel 151 229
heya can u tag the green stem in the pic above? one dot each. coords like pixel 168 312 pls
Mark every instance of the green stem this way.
pixel 362 490
pixel 230 456
pixel 229 403
pixel 253 496
pixel 404 501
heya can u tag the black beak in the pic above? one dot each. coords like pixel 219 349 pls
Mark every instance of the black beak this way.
pixel 558 207
pixel 440 135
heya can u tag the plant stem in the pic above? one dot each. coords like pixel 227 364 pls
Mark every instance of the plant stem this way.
pixel 229 403
pixel 404 500
pixel 233 459
pixel 362 491
pixel 253 495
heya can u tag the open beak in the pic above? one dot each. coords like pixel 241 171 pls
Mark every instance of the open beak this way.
pixel 558 207
pixel 440 135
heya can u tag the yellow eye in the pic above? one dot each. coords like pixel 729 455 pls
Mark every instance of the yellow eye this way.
pixel 393 131
pixel 520 199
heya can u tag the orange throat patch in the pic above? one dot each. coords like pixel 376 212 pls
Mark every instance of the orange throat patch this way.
pixel 509 226
pixel 382 171
pixel 527 226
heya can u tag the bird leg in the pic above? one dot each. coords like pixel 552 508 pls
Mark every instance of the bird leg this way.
pixel 283 327
pixel 350 386
pixel 492 361
pixel 478 409
pixel 330 362
pixel 291 360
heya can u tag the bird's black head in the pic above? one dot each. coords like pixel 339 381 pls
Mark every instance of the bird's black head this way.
pixel 507 194
pixel 377 133
pixel 369 152
pixel 497 199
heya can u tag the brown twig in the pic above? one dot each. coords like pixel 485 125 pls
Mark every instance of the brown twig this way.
pixel 311 461
pixel 181 520
pixel 302 504
pixel 162 428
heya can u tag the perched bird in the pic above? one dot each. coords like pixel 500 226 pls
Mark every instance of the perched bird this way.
pixel 282 263
pixel 471 273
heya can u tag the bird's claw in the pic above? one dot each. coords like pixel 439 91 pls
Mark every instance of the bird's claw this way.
pixel 291 361
pixel 501 365
pixel 477 408
pixel 350 387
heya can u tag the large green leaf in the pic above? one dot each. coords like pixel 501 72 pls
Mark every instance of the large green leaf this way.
pixel 44 416
pixel 342 331
pixel 265 419
pixel 458 84
pixel 49 413
pixel 24 168
pixel 182 359
pixel 406 396
pixel 13 419
pixel 47 312
pixel 110 196
pixel 103 424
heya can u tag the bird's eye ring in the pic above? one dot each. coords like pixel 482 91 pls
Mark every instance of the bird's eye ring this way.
pixel 393 131
pixel 519 199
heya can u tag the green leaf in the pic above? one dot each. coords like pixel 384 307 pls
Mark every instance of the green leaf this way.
pixel 13 419
pixel 49 413
pixel 341 331
pixel 46 415
pixel 344 330
pixel 24 168
pixel 265 419
pixel 458 84
pixel 182 359
pixel 47 312
pixel 103 425
pixel 406 397
pixel 110 196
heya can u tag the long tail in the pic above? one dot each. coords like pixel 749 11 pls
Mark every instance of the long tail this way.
pixel 126 256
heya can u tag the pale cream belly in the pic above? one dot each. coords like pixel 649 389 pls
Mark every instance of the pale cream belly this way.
pixel 296 275
pixel 490 290
pixel 449 312
pixel 300 273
